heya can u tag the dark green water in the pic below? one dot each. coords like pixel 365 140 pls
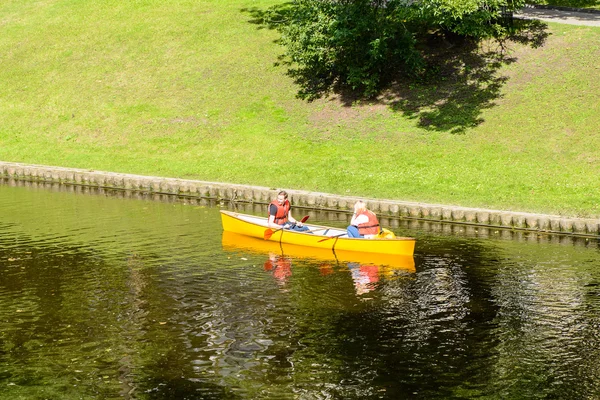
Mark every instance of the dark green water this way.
pixel 108 297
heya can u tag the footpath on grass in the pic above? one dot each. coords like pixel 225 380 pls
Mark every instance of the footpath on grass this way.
pixel 390 211
pixel 562 15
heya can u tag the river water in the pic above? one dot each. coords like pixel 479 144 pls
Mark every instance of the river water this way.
pixel 107 295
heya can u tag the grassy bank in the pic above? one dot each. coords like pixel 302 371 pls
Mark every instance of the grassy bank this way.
pixel 189 89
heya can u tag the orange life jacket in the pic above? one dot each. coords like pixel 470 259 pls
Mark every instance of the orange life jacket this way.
pixel 371 227
pixel 282 211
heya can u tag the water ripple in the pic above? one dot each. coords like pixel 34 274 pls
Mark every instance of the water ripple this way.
pixel 121 298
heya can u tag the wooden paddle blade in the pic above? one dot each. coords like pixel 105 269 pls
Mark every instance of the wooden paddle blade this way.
pixel 303 220
pixel 268 234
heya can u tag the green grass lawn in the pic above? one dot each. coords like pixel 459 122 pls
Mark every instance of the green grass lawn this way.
pixel 190 89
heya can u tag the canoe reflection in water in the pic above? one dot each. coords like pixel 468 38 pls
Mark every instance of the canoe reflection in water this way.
pixel 366 268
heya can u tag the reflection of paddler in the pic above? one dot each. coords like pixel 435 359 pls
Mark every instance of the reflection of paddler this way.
pixel 279 266
pixel 364 276
pixel 326 269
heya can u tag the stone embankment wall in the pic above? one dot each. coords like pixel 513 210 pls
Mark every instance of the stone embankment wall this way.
pixel 310 200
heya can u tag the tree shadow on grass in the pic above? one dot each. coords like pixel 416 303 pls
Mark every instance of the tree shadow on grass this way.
pixel 461 81
pixel 269 18
pixel 462 78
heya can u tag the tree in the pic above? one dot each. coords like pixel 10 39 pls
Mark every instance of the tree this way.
pixel 364 44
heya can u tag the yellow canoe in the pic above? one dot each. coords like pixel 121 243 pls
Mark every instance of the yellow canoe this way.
pixel 320 237
pixel 388 263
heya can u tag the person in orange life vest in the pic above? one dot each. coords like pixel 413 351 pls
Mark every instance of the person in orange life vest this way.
pixel 364 223
pixel 280 215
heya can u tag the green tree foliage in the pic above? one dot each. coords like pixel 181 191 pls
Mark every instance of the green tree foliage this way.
pixel 364 44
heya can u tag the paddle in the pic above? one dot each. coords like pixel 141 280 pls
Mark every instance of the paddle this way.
pixel 331 237
pixel 269 232
pixel 380 234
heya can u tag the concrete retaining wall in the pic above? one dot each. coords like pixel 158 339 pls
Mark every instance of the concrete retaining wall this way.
pixel 303 199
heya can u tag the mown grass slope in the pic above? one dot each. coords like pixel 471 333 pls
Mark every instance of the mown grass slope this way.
pixel 190 89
